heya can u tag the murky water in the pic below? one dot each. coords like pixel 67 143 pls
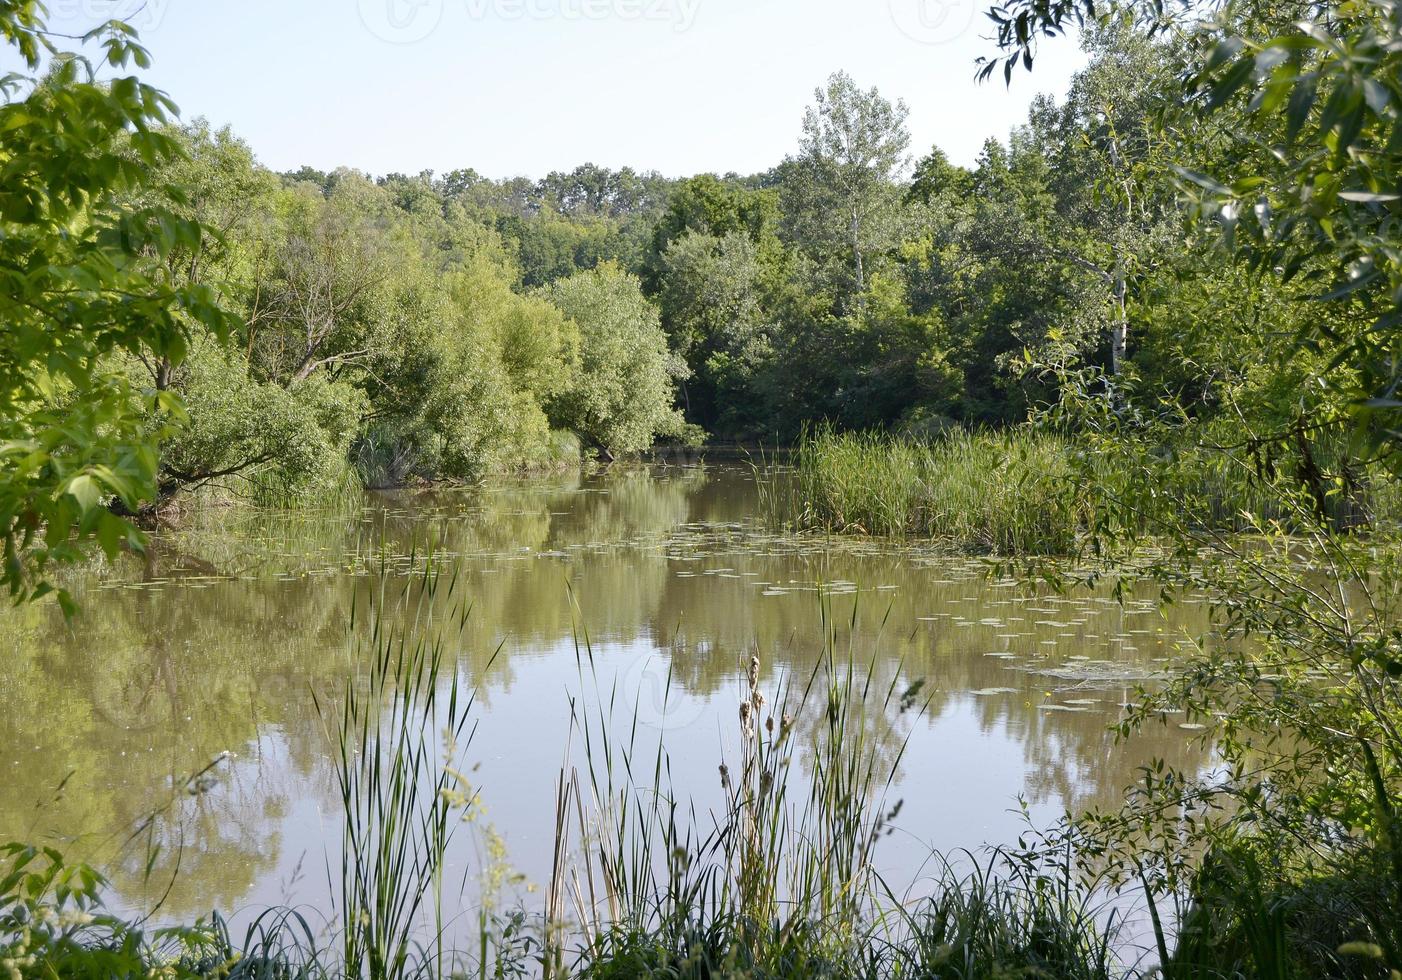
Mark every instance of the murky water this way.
pixel 217 640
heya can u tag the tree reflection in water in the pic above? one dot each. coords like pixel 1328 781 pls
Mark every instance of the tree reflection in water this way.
pixel 216 639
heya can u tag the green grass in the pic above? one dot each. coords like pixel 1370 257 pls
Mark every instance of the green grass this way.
pixel 1006 492
pixel 1024 492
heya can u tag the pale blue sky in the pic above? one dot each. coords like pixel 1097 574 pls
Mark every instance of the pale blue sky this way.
pixel 515 87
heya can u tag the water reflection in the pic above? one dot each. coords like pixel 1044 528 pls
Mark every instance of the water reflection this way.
pixel 216 640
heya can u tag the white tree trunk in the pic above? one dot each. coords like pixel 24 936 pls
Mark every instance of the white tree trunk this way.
pixel 1119 332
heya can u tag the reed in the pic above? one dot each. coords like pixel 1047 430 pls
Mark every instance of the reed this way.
pixel 1026 492
pixel 782 878
pixel 398 791
pixel 1006 492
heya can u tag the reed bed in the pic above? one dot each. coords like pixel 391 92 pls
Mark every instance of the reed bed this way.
pixel 1026 492
pixel 1006 492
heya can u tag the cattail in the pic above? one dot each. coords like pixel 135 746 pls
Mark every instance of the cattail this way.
pixel 769 724
pixel 757 699
pixel 754 671
pixel 785 726
pixel 745 709
pixel 725 777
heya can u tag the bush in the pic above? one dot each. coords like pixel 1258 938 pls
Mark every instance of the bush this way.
pixel 270 440
pixel 52 924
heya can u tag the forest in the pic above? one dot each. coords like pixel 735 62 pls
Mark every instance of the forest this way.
pixel 1143 355
pixel 853 283
pixel 443 327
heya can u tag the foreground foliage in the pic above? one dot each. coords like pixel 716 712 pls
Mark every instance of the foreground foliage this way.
pixel 76 292
pixel 1285 855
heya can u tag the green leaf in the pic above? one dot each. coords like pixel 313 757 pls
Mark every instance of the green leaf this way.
pixel 1301 101
pixel 85 491
pixel 1368 197
pixel 111 532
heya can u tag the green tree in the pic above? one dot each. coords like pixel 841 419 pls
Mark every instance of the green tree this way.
pixel 76 289
pixel 260 437
pixel 622 396
pixel 1114 217
pixel 245 431
pixel 1305 104
pixel 842 198
pixel 712 206
pixel 320 306
pixel 1291 848
pixel 713 304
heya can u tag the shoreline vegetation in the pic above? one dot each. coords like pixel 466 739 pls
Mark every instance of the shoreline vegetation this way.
pixel 1028 492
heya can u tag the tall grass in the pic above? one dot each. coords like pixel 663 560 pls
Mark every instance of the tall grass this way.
pixel 398 791
pixel 780 879
pixel 1021 491
pixel 1007 918
pixel 1006 492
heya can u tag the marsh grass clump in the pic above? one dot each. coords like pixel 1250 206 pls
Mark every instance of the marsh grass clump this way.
pixel 781 873
pixel 779 881
pixel 1006 492
pixel 1029 492
pixel 398 791
pixel 1006 917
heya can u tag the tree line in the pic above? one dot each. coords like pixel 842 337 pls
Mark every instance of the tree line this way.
pixel 862 284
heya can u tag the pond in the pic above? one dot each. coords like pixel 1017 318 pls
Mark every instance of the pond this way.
pixel 216 640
